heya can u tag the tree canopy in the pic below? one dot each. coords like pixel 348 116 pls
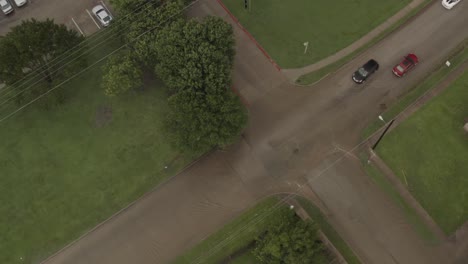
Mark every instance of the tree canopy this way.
pixel 290 240
pixel 36 45
pixel 39 46
pixel 195 61
pixel 121 73
pixel 141 20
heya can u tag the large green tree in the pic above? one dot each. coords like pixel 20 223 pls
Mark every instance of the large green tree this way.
pixel 195 61
pixel 39 52
pixel 140 21
pixel 120 74
pixel 290 241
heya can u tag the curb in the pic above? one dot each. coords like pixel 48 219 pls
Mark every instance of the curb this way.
pixel 249 35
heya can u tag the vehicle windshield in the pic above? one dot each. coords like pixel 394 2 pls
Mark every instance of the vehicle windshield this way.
pixel 400 68
pixel 5 5
pixel 363 72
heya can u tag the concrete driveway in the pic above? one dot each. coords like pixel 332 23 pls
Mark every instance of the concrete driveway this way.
pixel 299 139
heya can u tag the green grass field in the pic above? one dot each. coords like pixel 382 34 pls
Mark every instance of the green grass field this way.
pixel 64 171
pixel 429 151
pixel 282 27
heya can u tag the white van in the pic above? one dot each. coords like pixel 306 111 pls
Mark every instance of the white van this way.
pixel 6 7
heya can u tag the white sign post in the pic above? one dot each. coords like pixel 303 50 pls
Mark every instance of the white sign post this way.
pixel 306 45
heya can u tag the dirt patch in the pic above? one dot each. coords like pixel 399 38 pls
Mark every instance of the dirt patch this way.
pixel 103 116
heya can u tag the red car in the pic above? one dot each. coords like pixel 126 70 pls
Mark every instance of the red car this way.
pixel 406 65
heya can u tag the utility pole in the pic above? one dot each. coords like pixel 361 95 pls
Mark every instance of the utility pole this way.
pixel 383 134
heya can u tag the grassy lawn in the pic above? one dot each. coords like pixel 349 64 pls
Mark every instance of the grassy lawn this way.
pixel 315 76
pixel 328 230
pixel 282 27
pixel 429 151
pixel 66 170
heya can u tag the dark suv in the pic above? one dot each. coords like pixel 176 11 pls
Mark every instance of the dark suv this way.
pixel 365 71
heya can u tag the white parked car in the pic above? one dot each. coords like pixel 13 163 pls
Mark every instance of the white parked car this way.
pixel 20 2
pixel 450 3
pixel 102 15
pixel 6 7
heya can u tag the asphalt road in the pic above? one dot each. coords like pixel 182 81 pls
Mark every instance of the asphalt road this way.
pixel 298 136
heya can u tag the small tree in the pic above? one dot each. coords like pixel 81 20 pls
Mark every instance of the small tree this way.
pixel 121 73
pixel 290 240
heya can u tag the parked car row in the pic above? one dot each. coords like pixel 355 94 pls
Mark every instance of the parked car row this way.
pixel 400 70
pixel 7 7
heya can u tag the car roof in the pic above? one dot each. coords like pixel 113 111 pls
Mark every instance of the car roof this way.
pixel 102 13
pixel 412 57
pixel 370 64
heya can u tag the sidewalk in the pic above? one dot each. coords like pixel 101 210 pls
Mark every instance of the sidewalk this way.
pixel 294 74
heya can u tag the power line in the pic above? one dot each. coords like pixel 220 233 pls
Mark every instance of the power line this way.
pixel 112 34
pixel 276 205
pixel 320 174
pixel 72 49
pixel 98 61
pixel 254 220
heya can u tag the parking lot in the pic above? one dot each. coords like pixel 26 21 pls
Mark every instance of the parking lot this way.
pixel 75 14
